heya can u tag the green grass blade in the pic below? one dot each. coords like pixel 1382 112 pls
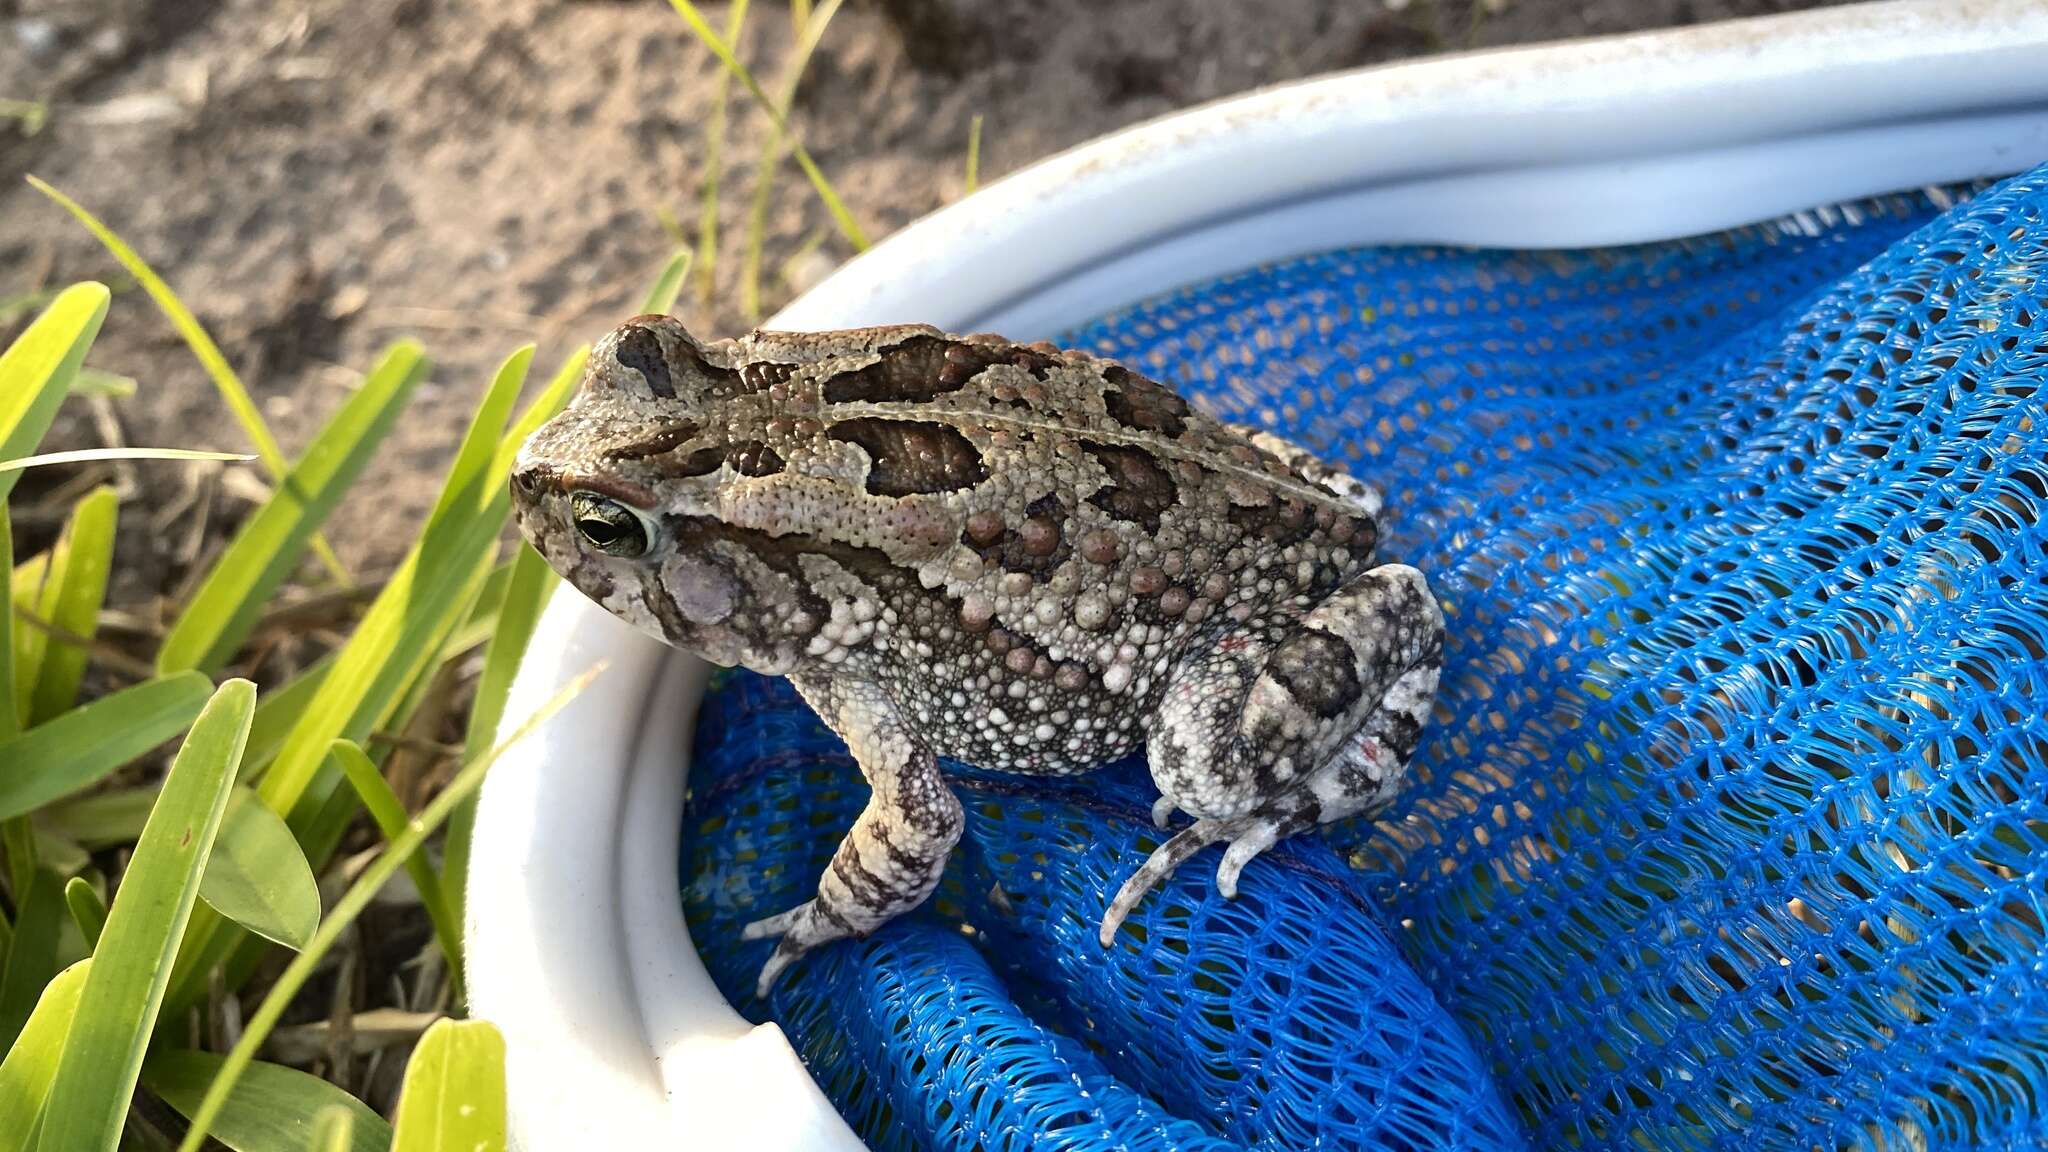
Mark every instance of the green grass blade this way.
pixel 532 582
pixel 483 611
pixel 93 382
pixel 30 114
pixel 714 159
pixel 526 592
pixel 393 645
pixel 848 226
pixel 10 716
pixel 37 369
pixel 973 155
pixel 334 1130
pixel 472 634
pixel 35 372
pixel 80 747
pixel 327 805
pixel 88 455
pixel 22 856
pixel 350 906
pixel 257 876
pixel 103 819
pixel 208 353
pixel 32 1062
pixel 389 813
pixel 661 296
pixel 61 856
pixel 21 853
pixel 545 405
pixel 418 604
pixel 35 582
pixel 125 987
pixel 810 29
pixel 73 601
pixel 323 807
pixel 32 959
pixel 271 543
pixel 454 1095
pixel 88 910
pixel 272 1109
pixel 279 711
pixel 479 443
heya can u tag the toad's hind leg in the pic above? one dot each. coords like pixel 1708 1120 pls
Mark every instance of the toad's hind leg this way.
pixel 892 857
pixel 1267 734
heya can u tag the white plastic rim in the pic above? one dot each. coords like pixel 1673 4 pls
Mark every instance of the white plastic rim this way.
pixel 577 949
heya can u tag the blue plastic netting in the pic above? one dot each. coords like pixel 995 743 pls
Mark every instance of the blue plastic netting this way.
pixel 1732 828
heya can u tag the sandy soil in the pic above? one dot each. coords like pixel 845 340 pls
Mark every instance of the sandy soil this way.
pixel 319 178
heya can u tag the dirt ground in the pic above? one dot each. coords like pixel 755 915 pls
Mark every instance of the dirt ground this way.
pixel 319 178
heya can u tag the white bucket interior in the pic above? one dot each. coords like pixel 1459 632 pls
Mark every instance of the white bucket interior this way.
pixel 577 946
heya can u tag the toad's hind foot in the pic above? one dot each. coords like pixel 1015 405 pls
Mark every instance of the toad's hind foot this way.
pixel 1279 727
pixel 1247 836
pixel 795 932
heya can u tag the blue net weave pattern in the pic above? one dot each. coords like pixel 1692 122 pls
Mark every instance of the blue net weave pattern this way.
pixel 1731 827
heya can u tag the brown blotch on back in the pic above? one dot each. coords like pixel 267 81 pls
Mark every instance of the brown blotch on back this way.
pixel 908 457
pixel 919 368
pixel 1139 490
pixel 660 443
pixel 639 348
pixel 702 462
pixel 1143 404
pixel 966 361
pixel 720 382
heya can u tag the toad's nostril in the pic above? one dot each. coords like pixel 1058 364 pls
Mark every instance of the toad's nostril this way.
pixel 527 480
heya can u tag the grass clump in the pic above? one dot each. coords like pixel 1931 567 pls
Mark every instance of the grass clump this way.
pixel 140 909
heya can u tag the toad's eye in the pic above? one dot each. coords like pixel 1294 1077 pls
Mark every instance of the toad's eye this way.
pixel 611 527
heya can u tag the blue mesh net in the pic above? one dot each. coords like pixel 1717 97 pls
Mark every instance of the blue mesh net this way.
pixel 1732 827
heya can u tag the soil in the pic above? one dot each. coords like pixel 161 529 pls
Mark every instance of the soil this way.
pixel 320 178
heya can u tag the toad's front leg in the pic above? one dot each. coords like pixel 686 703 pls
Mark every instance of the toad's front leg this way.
pixel 892 857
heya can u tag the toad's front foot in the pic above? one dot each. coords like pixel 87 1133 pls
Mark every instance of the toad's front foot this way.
pixel 891 858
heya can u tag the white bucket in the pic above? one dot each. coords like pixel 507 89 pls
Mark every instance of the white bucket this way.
pixel 615 1036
